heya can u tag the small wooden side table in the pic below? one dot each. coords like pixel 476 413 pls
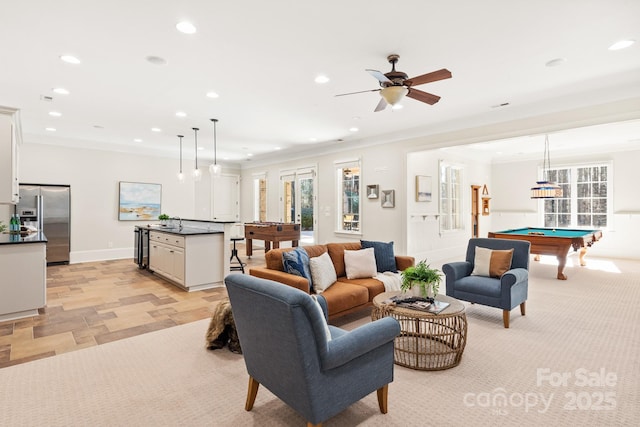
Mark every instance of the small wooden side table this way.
pixel 427 342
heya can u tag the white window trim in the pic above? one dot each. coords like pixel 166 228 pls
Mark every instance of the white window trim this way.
pixel 339 165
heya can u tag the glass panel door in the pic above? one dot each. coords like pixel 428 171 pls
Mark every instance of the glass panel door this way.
pixel 298 202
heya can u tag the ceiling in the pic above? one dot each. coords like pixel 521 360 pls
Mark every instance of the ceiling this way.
pixel 261 58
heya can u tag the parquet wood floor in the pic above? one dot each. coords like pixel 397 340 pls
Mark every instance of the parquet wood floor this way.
pixel 94 303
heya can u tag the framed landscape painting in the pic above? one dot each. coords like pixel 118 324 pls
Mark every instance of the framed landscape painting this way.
pixel 139 201
pixel 423 188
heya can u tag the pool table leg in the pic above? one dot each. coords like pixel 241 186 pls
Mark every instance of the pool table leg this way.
pixel 562 260
pixel 583 252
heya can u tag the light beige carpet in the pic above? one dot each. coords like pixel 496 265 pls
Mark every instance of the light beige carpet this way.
pixel 573 360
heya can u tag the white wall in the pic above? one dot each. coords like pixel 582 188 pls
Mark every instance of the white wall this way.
pixel 94 178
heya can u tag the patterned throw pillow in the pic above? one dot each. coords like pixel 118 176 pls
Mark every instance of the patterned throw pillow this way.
pixel 491 263
pixel 297 262
pixel 385 258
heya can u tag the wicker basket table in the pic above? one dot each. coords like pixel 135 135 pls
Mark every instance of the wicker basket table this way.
pixel 427 341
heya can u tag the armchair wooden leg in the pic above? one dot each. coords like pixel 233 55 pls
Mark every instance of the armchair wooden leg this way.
pixel 313 425
pixel 522 308
pixel 505 318
pixel 251 393
pixel 382 398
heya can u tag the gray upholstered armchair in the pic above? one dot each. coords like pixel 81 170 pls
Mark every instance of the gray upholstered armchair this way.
pixel 283 334
pixel 505 292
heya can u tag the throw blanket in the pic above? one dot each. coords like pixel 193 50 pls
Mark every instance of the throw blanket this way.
pixel 392 281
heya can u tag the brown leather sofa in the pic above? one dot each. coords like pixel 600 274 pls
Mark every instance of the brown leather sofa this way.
pixel 343 297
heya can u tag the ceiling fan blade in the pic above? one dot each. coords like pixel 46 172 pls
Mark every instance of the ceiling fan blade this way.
pixel 362 91
pixel 434 76
pixel 379 76
pixel 381 105
pixel 423 96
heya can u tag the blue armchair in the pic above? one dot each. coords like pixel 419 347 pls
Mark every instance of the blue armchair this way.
pixel 283 334
pixel 505 292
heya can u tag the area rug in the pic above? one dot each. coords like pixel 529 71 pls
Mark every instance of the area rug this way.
pixel 572 360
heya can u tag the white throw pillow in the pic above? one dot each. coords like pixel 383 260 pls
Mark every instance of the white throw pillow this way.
pixel 327 332
pixel 360 264
pixel 323 274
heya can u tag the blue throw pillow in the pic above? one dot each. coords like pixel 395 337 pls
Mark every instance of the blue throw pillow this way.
pixel 297 262
pixel 385 258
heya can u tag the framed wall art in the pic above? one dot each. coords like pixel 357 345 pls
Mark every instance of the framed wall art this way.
pixel 139 201
pixel 388 198
pixel 373 191
pixel 423 188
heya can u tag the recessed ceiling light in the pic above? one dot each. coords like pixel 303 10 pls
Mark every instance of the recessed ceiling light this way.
pixel 61 91
pixel 212 95
pixel 50 129
pixel 354 129
pixel 621 44
pixel 186 27
pixel 55 114
pixel 397 107
pixel 156 130
pixel 156 60
pixel 277 148
pixel 249 154
pixel 200 148
pixel 321 79
pixel 313 139
pixel 181 114
pixel 69 59
pixel 137 140
pixel 555 62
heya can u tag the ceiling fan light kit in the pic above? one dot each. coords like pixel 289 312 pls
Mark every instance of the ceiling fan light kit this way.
pixel 395 85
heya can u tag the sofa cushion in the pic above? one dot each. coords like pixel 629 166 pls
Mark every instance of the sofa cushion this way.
pixel 322 272
pixel 385 258
pixel 345 296
pixel 296 262
pixel 373 286
pixel 360 264
pixel 491 263
pixel 336 252
pixel 273 258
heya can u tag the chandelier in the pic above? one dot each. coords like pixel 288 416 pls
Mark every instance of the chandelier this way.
pixel 546 189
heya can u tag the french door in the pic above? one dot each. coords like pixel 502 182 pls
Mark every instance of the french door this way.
pixel 298 197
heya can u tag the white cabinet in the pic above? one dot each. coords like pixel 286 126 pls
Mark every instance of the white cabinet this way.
pixel 24 280
pixel 193 262
pixel 10 137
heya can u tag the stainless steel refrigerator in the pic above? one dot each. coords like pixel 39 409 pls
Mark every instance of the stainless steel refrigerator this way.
pixel 48 208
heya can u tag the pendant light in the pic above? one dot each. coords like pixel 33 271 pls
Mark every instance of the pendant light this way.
pixel 546 189
pixel 180 174
pixel 197 175
pixel 215 168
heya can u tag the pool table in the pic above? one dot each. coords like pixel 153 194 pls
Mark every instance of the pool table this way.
pixel 553 241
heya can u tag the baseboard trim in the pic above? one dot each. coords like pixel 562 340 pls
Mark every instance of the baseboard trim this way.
pixel 100 255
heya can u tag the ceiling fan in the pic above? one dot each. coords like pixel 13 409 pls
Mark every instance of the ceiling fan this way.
pixel 395 85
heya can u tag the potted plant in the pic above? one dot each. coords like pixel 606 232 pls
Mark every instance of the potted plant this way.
pixel 163 218
pixel 422 280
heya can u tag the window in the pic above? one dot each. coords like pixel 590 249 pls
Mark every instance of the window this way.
pixel 348 190
pixel 585 197
pixel 450 197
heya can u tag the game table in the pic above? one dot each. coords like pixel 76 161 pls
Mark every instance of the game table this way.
pixel 553 241
pixel 271 233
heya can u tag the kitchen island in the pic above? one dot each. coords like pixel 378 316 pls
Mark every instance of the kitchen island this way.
pixel 23 286
pixel 192 257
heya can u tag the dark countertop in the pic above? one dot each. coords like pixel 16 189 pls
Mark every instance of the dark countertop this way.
pixel 13 239
pixel 184 231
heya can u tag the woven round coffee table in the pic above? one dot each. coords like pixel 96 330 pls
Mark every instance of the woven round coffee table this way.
pixel 428 342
